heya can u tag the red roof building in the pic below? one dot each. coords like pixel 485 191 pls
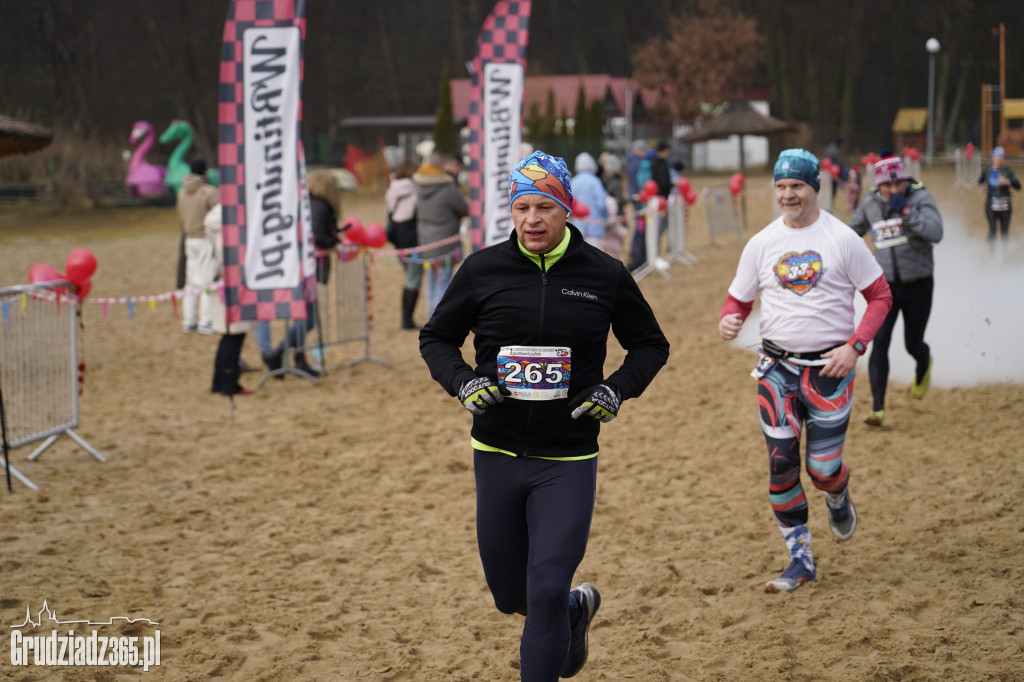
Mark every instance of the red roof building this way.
pixel 612 91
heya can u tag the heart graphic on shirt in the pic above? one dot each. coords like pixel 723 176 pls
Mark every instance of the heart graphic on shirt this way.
pixel 799 272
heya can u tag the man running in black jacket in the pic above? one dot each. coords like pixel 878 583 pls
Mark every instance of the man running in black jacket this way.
pixel 540 307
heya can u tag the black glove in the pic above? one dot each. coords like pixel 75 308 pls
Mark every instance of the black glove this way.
pixel 898 204
pixel 476 395
pixel 601 402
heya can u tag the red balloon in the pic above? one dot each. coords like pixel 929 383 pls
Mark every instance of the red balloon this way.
pixel 83 289
pixel 690 198
pixel 662 204
pixel 969 150
pixel 374 236
pixel 683 185
pixel 354 231
pixel 41 272
pixel 651 188
pixel 913 154
pixel 579 209
pixel 736 183
pixel 81 265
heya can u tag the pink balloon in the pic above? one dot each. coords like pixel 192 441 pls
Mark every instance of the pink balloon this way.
pixel 579 209
pixel 690 198
pixel 81 265
pixel 41 272
pixel 651 188
pixel 83 289
pixel 374 236
pixel 913 154
pixel 683 185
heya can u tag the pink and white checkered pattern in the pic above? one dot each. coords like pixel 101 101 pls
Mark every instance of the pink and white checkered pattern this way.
pixel 504 38
pixel 243 303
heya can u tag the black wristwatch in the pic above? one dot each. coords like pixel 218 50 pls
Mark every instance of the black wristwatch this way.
pixel 858 345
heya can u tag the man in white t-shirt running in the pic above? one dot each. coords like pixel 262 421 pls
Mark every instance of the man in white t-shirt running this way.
pixel 807 265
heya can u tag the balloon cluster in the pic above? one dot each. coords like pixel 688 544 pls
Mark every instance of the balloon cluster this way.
pixel 736 183
pixel 685 191
pixel 831 167
pixel 869 159
pixel 649 190
pixel 371 235
pixel 80 266
pixel 355 234
pixel 911 153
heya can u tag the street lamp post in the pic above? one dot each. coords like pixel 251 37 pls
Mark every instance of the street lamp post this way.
pixel 932 45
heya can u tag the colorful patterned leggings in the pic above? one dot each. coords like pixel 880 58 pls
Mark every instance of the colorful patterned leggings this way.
pixel 791 397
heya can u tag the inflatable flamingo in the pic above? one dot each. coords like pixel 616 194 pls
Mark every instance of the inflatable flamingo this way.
pixel 144 179
pixel 177 165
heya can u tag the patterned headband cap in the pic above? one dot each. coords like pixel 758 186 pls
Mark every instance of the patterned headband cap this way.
pixel 799 164
pixel 541 173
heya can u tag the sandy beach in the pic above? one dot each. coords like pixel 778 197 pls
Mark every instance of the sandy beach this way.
pixel 327 532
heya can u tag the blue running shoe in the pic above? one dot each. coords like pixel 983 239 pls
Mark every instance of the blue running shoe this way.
pixel 798 573
pixel 589 601
pixel 842 515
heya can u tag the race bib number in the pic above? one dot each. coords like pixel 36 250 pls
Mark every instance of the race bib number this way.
pixel 535 372
pixel 1000 203
pixel 888 233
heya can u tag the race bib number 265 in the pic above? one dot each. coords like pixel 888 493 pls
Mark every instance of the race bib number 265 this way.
pixel 535 372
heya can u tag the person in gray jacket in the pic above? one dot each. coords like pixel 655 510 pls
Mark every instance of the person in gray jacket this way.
pixel 905 224
pixel 440 209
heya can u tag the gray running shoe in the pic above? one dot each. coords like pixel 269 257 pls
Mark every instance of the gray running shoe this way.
pixel 589 600
pixel 842 516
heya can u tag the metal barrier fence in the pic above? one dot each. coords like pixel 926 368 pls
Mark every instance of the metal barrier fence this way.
pixel 723 214
pixel 675 231
pixel 39 368
pixel 968 170
pixel 343 314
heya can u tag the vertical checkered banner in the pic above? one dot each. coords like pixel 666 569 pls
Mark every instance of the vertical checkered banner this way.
pixel 269 269
pixel 495 118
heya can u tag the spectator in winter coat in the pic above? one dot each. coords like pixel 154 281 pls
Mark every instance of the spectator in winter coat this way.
pixel 440 209
pixel 587 188
pixel 400 200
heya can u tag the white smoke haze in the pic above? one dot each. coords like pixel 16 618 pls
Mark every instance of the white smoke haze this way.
pixel 976 329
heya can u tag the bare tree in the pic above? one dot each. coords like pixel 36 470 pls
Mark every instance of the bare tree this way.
pixel 707 58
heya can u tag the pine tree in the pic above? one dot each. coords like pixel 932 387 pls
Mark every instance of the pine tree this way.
pixel 445 135
pixel 581 128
